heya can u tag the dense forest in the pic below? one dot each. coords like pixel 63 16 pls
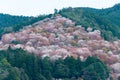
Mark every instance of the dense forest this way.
pixel 10 23
pixel 7 20
pixel 106 20
pixel 21 65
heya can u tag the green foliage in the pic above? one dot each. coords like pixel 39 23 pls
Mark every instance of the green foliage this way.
pixel 47 68
pixel 90 74
pixel 21 25
pixel 95 69
pixel 119 78
pixel 15 42
pixel 9 23
pixel 106 20
pixel 75 37
pixel 7 72
pixel 40 77
pixel 7 20
pixel 21 65
pixel 72 64
pixel 111 78
pixel 55 11
pixel 61 71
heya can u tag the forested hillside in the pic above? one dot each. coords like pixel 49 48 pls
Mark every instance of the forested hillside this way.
pixel 7 20
pixel 112 14
pixel 106 20
pixel 58 37
pixel 10 23
pixel 70 44
pixel 20 65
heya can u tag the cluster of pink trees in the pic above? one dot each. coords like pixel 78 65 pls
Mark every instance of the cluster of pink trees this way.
pixel 59 37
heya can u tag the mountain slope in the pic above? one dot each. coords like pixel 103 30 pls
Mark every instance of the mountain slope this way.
pixel 9 20
pixel 9 23
pixel 113 14
pixel 59 37
pixel 106 20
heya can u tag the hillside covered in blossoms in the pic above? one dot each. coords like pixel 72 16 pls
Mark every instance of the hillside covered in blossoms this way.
pixel 59 37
